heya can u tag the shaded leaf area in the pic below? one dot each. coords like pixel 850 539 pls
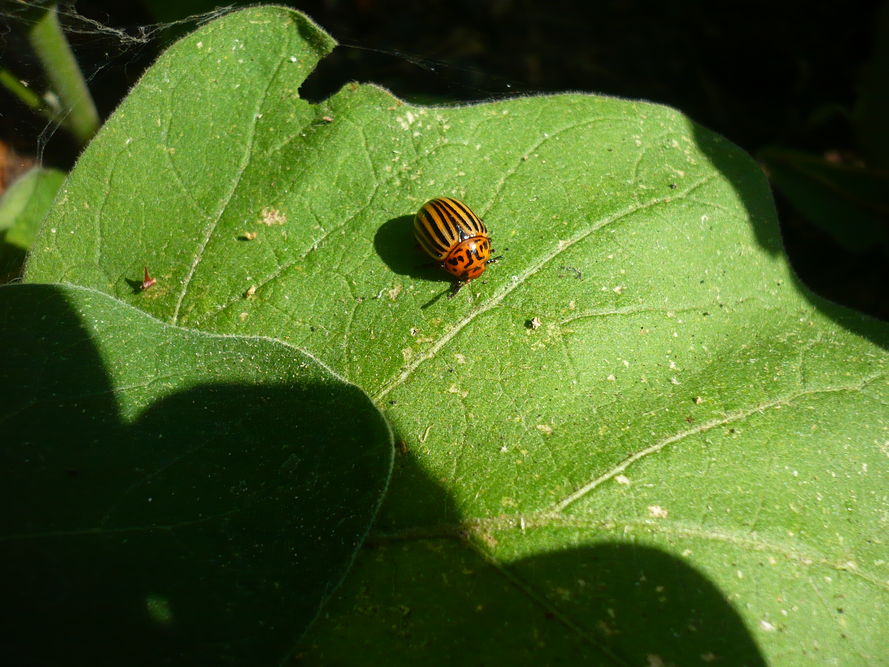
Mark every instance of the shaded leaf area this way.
pixel 22 208
pixel 442 599
pixel 180 498
pixel 770 491
pixel 641 368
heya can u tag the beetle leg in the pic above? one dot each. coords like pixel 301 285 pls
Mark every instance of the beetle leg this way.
pixel 494 259
pixel 456 288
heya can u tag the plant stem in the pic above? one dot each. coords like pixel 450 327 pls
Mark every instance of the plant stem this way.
pixel 25 95
pixel 51 47
pixel 9 81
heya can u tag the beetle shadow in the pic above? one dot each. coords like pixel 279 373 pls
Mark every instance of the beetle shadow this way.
pixel 396 246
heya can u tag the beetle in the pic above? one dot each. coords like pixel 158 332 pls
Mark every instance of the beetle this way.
pixel 449 232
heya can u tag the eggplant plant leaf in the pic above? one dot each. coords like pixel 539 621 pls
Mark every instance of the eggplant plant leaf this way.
pixel 636 438
pixel 175 497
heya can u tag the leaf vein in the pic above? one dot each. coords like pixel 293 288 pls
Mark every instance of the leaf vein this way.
pixel 236 181
pixel 703 427
pixel 546 137
pixel 507 289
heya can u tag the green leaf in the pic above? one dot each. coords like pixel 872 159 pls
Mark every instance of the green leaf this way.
pixel 22 207
pixel 173 497
pixel 636 437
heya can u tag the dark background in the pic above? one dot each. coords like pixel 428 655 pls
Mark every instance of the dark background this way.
pixel 769 76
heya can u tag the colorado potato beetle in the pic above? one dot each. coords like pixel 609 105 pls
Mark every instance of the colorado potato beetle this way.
pixel 449 232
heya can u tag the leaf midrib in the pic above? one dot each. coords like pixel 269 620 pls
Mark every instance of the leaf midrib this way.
pixel 244 163
pixel 532 269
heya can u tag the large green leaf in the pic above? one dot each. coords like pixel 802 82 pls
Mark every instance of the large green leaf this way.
pixel 637 437
pixel 171 496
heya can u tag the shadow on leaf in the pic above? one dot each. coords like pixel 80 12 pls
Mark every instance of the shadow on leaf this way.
pixel 395 244
pixel 752 187
pixel 206 528
pixel 430 593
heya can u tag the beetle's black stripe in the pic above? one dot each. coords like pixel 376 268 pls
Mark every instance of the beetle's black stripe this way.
pixel 451 221
pixel 476 221
pixel 425 227
pixel 442 224
pixel 443 229
pixel 426 243
pixel 438 229
pixel 471 220
pixel 432 251
pixel 435 230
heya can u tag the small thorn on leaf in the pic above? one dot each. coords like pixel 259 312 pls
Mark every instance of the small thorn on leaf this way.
pixel 147 280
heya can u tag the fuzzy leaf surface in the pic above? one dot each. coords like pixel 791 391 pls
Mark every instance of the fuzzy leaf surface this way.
pixel 637 435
